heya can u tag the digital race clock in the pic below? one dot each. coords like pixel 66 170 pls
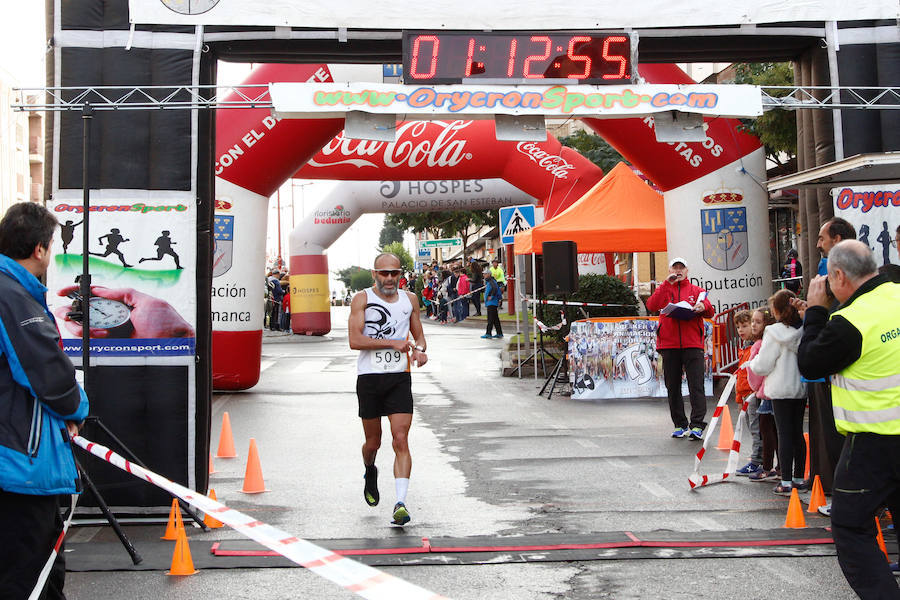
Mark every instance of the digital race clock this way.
pixel 513 58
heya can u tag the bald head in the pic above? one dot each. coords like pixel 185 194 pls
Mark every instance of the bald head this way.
pixel 854 258
pixel 387 260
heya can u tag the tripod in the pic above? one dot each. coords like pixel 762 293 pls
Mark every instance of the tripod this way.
pixel 560 374
pixel 540 351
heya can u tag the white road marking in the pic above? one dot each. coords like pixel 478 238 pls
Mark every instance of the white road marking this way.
pixel 311 366
pixel 656 489
pixel 708 523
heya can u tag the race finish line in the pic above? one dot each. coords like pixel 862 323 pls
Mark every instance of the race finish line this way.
pixel 363 580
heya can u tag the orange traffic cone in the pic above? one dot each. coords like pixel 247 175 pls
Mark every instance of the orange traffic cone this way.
pixel 795 518
pixel 726 431
pixel 212 467
pixel 208 520
pixel 880 538
pixel 806 468
pixel 253 479
pixel 817 498
pixel 226 440
pixel 182 564
pixel 175 523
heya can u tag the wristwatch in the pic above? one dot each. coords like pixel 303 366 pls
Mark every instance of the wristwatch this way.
pixel 420 348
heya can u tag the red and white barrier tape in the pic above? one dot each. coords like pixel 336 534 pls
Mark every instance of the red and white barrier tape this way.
pixel 363 580
pixel 48 566
pixel 568 303
pixel 544 328
pixel 696 479
pixel 467 295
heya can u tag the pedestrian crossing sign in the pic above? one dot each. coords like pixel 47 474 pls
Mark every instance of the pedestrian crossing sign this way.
pixel 515 219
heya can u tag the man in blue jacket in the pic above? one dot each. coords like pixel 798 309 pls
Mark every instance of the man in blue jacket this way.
pixel 492 297
pixel 41 407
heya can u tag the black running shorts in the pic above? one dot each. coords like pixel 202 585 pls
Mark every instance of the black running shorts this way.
pixel 382 394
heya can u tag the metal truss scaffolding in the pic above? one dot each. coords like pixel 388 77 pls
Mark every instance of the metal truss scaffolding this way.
pixel 257 96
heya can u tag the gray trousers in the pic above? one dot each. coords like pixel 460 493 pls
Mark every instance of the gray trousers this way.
pixel 756 454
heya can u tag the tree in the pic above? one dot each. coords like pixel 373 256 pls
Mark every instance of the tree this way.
pixel 416 222
pixel 777 128
pixel 345 276
pixel 389 233
pixel 453 223
pixel 406 261
pixel 594 148
pixel 360 280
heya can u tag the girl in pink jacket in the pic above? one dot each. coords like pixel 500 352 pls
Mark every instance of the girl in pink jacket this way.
pixel 760 319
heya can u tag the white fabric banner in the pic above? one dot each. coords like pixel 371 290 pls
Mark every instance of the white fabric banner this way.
pixel 477 15
pixel 330 100
pixel 142 260
pixel 875 212
pixel 617 358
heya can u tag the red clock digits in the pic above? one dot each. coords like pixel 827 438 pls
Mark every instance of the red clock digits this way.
pixel 435 47
pixel 579 57
pixel 512 57
pixel 535 58
pixel 623 62
pixel 469 55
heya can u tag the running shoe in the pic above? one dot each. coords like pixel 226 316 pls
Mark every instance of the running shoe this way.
pixel 401 515
pixel 680 432
pixel 499 335
pixel 825 510
pixel 783 490
pixel 696 433
pixel 749 469
pixel 370 491
pixel 802 487
pixel 486 337
pixel 763 475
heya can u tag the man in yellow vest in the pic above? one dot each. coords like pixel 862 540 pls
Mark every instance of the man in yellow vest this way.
pixel 859 346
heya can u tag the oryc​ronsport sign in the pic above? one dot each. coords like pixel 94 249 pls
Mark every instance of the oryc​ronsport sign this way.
pixel 328 100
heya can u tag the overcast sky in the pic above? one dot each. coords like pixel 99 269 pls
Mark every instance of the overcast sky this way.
pixel 22 49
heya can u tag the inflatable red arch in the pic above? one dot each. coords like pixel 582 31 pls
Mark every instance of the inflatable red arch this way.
pixel 257 153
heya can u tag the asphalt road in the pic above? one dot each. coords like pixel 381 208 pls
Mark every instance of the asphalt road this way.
pixel 491 458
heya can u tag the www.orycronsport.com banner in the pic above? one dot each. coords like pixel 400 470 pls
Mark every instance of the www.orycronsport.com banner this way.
pixel 142 264
pixel 617 358
pixel 875 212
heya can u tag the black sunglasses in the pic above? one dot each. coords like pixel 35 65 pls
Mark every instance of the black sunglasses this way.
pixel 388 272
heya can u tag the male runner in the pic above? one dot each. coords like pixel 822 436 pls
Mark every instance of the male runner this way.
pixel 381 320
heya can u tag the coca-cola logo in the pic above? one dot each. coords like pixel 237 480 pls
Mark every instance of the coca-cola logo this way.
pixel 592 260
pixel 411 148
pixel 554 164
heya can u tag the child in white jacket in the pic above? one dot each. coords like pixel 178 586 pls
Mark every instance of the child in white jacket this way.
pixel 777 361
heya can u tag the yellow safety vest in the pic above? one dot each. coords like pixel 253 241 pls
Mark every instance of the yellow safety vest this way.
pixel 866 395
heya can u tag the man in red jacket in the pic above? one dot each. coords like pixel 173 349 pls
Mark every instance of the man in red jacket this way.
pixel 680 338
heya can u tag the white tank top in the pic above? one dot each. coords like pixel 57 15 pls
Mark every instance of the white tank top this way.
pixel 385 321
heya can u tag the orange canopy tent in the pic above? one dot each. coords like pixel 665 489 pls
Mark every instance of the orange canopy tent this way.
pixel 619 214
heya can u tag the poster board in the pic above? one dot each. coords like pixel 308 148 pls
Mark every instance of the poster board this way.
pixel 616 357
